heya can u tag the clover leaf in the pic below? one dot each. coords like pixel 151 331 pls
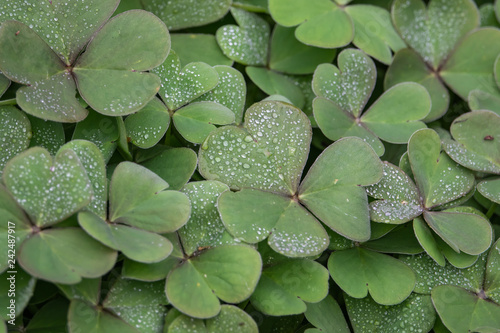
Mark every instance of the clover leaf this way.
pixel 101 130
pixel 432 62
pixel 230 319
pixel 180 87
pixel 331 24
pixel 140 223
pixel 228 272
pixel 38 182
pixel 186 46
pixel 475 146
pixel 246 43
pixel 140 304
pixel 343 92
pixel 15 133
pixel 183 14
pixel 96 320
pixel 65 255
pixel 479 308
pixel 438 181
pixel 320 315
pixel 175 166
pixel 286 286
pixel 205 228
pixel 52 72
pixel 414 314
pixel 267 156
pixel 358 271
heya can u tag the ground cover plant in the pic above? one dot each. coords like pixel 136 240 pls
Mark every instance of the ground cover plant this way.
pixel 250 166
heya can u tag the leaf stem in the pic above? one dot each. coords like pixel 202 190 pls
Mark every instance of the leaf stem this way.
pixel 11 101
pixel 491 210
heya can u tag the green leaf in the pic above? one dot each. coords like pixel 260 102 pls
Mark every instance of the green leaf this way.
pixel 401 240
pixel 146 127
pixel 252 215
pixel 469 66
pixel 385 119
pixel 185 324
pixel 204 228
pixel 290 56
pixel 426 239
pixel 88 290
pixel 52 99
pixel 326 316
pixel 492 275
pixel 47 134
pixel 18 287
pixel 181 87
pixel 490 188
pixel 231 319
pixel 269 153
pixel 358 271
pixel 322 23
pixel 140 304
pixel 38 182
pixel 51 317
pixel 439 179
pixel 284 288
pixel 497 10
pixel 273 83
pixel 4 84
pixel 431 274
pixel 134 40
pixel 15 133
pixel 187 46
pixel 175 166
pixel 197 300
pixel 480 100
pixel 297 233
pixel 98 88
pixel 336 123
pixel 136 244
pixel 476 147
pixel 147 206
pixel 252 5
pixel 407 66
pixel 414 314
pixel 246 43
pixel 399 200
pixel 85 318
pixel 434 31
pixel 462 310
pixel 195 287
pixel 24 56
pixel 192 13
pixel 95 166
pixel 230 92
pixel 99 129
pixel 155 271
pixel 196 120
pixel 350 85
pixel 331 189
pixel 109 58
pixel 469 233
pixel 65 255
pixel 459 260
pixel 66 26
pixel 373 32
pixel 12 217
